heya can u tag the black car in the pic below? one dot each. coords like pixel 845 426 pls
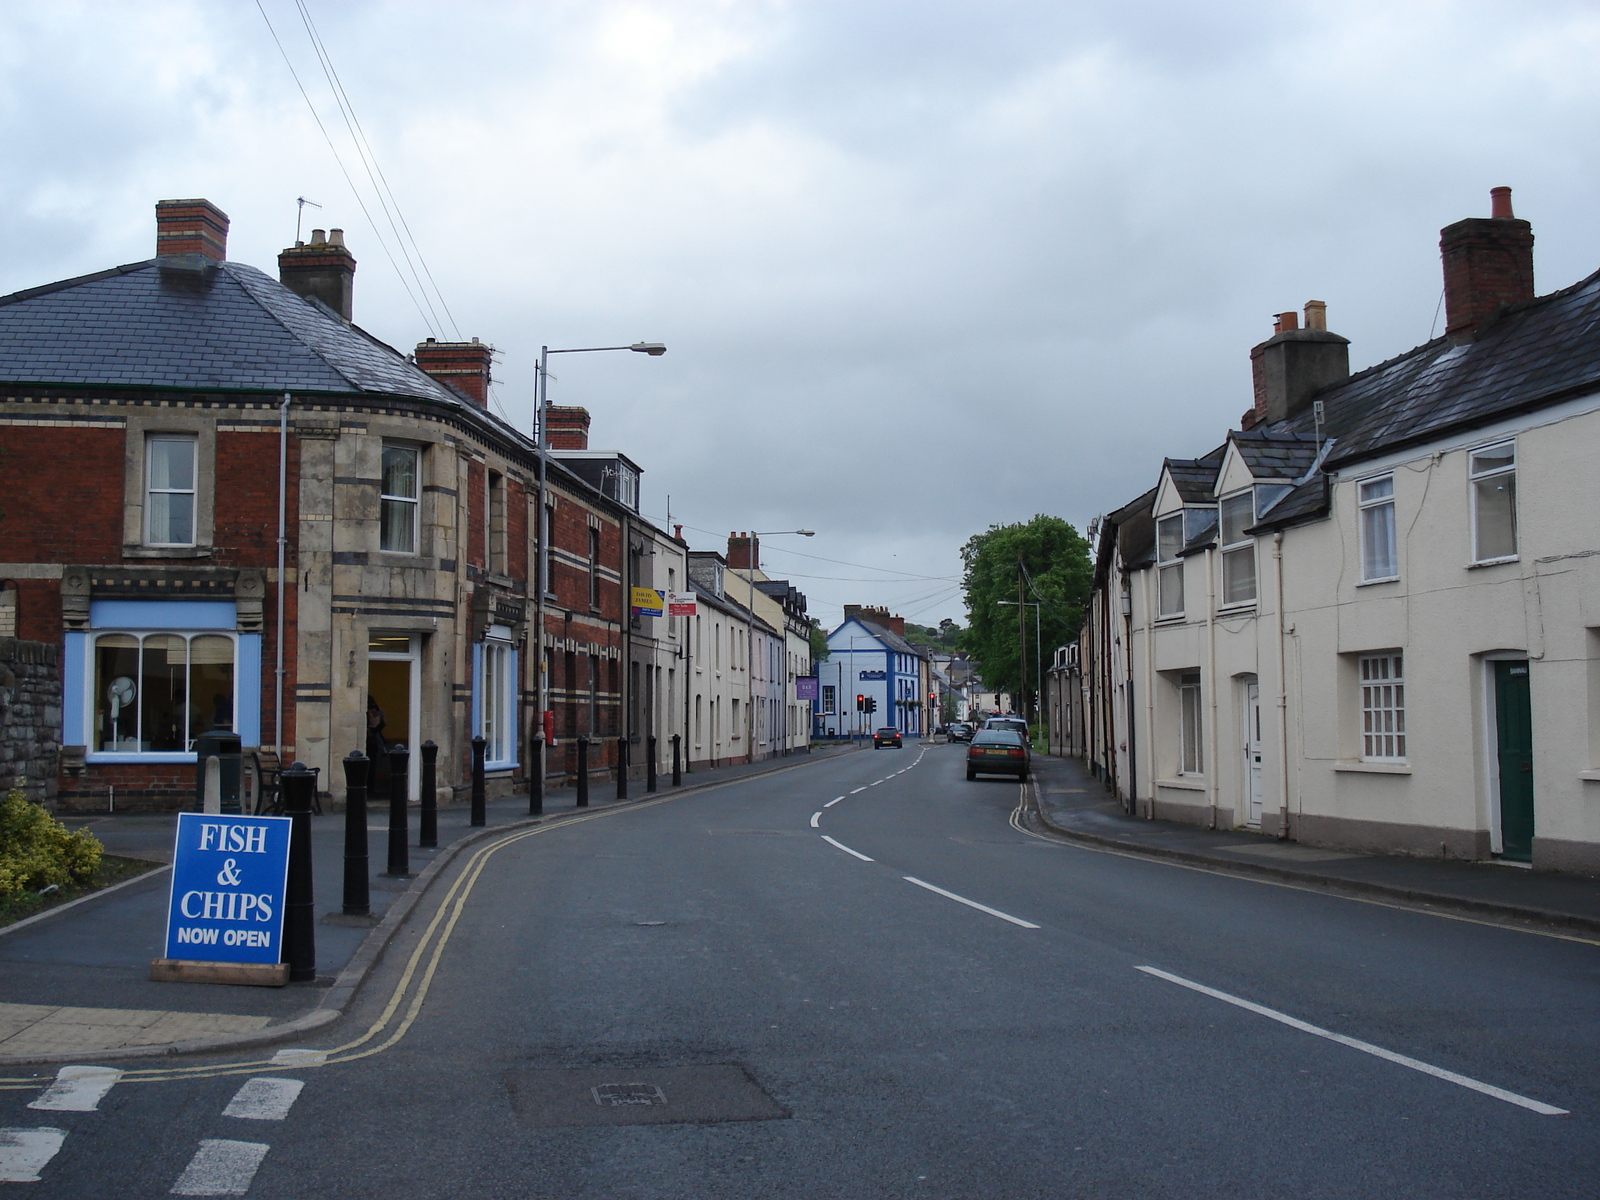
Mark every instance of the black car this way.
pixel 959 731
pixel 998 752
pixel 887 737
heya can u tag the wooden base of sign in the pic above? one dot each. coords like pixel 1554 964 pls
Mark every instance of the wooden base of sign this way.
pixel 178 970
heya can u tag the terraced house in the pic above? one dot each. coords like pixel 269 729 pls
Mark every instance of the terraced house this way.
pixel 230 506
pixel 1370 617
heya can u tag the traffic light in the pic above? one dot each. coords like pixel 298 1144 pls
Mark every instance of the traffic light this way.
pixel 872 704
pixel 861 704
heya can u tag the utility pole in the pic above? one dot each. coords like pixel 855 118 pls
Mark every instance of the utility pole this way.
pixel 1022 642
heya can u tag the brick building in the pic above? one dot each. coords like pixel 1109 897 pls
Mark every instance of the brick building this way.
pixel 230 505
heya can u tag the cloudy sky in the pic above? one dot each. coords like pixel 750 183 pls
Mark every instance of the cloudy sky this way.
pixel 921 267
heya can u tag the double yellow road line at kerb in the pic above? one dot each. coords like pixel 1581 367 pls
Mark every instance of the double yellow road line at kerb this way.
pixel 415 980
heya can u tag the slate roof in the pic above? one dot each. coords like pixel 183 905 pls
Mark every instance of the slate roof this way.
pixel 890 638
pixel 226 326
pixel 1533 355
pixel 1275 455
pixel 1196 477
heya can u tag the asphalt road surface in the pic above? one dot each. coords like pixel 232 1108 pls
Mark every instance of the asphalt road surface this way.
pixel 857 978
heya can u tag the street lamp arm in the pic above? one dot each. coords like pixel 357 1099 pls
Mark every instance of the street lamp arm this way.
pixel 654 349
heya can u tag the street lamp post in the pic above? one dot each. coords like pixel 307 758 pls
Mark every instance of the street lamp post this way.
pixel 542 582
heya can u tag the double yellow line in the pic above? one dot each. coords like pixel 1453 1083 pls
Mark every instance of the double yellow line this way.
pixel 430 946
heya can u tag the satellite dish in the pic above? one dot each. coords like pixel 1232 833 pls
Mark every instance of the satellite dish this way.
pixel 121 691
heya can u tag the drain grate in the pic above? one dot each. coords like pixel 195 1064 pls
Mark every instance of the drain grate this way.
pixel 558 1096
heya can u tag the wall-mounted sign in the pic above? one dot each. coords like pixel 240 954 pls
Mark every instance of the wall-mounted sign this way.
pixel 872 675
pixel 805 687
pixel 680 604
pixel 228 878
pixel 646 602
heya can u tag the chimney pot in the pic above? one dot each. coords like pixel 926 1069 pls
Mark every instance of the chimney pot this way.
pixel 191 227
pixel 1500 204
pixel 1316 314
pixel 324 270
pixel 319 237
pixel 1288 320
pixel 335 237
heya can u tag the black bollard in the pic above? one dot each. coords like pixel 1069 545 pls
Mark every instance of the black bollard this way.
pixel 536 768
pixel 622 768
pixel 357 901
pixel 583 771
pixel 479 816
pixel 399 794
pixel 428 815
pixel 677 760
pixel 650 763
pixel 299 948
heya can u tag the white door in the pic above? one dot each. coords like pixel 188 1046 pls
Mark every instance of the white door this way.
pixel 1252 754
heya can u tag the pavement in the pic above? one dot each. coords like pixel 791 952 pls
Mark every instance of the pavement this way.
pixel 1070 803
pixel 74 980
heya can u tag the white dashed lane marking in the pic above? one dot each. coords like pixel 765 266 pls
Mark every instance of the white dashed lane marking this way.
pixel 846 849
pixel 815 817
pixel 264 1099
pixel 1488 1089
pixel 993 912
pixel 221 1168
pixel 832 802
pixel 862 788
pixel 77 1089
pixel 293 1057
pixel 26 1152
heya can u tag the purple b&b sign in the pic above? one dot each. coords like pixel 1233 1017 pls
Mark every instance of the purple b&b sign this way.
pixel 805 687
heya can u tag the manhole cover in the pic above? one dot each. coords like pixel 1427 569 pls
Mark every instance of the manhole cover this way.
pixel 557 1096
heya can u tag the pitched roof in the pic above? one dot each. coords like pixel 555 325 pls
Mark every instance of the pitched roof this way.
pixel 1535 354
pixel 1275 455
pixel 888 637
pixel 1195 478
pixel 175 323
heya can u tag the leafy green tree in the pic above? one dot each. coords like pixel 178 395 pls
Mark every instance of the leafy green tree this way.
pixel 1044 561
pixel 819 642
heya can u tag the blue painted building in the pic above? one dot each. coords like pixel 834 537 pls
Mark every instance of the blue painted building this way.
pixel 868 655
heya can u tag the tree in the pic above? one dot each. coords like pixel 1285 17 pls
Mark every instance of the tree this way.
pixel 819 642
pixel 1045 561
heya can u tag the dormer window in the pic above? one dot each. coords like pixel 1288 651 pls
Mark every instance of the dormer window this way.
pixel 1237 514
pixel 1169 567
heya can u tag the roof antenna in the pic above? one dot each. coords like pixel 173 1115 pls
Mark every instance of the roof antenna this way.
pixel 299 212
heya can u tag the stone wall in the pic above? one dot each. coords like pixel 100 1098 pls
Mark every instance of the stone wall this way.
pixel 30 716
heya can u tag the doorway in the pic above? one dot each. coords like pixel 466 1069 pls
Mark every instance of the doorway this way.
pixel 394 685
pixel 1513 718
pixel 1252 754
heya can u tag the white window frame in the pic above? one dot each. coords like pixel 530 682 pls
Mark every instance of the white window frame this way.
pixel 91 697
pixel 1475 479
pixel 1235 551
pixel 830 700
pixel 497 703
pixel 386 499
pixel 192 491
pixel 1381 678
pixel 1191 725
pixel 1374 505
pixel 1169 568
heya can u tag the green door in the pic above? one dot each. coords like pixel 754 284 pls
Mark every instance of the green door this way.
pixel 1514 723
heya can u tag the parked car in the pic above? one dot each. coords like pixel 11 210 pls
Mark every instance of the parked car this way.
pixel 998 752
pixel 1015 724
pixel 887 737
pixel 960 731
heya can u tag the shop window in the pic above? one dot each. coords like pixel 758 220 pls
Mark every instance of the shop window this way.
pixel 154 693
pixel 496 695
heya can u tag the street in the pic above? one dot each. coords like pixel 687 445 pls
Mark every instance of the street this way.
pixel 858 977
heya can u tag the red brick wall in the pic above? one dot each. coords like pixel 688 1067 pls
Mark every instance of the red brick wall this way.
pixel 517 532
pixel 477 497
pixel 70 510
pixel 246 506
pixel 39 610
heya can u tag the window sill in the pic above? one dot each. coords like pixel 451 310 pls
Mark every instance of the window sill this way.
pixel 1192 784
pixel 1376 582
pixel 153 758
pixel 1372 768
pixel 1237 607
pixel 1493 562
pixel 1170 619
pixel 1589 776
pixel 166 552
pixel 490 768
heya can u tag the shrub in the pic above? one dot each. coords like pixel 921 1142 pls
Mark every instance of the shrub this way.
pixel 36 850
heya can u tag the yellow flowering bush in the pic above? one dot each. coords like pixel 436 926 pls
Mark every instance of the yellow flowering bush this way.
pixel 36 850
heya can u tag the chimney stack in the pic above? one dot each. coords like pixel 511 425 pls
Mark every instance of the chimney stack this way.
pixel 1294 364
pixel 569 427
pixel 462 365
pixel 744 552
pixel 1488 264
pixel 324 269
pixel 191 227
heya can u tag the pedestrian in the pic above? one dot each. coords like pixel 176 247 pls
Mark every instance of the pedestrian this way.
pixel 377 753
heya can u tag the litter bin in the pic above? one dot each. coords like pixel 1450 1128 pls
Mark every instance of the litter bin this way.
pixel 218 766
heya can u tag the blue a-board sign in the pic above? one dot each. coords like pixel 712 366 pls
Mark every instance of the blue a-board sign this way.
pixel 229 873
